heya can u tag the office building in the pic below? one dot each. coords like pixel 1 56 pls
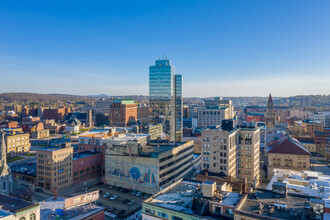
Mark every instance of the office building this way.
pixel 103 106
pixel 214 112
pixel 123 112
pixel 54 167
pixel 305 101
pixel 148 167
pixel 232 152
pixel 165 92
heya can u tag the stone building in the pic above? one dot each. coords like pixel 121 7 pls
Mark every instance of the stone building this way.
pixel 287 153
pixel 5 173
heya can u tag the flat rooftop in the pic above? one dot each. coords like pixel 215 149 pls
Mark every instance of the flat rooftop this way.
pixel 84 154
pixel 12 204
pixel 48 207
pixel 178 198
pixel 51 149
pixel 295 205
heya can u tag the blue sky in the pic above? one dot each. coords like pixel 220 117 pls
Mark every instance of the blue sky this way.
pixel 222 48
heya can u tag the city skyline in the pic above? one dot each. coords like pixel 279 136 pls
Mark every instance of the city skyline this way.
pixel 105 48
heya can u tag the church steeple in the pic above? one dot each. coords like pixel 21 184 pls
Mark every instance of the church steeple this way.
pixel 4 169
pixel 270 99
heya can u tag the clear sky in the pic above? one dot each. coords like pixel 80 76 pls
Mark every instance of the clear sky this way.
pixel 222 48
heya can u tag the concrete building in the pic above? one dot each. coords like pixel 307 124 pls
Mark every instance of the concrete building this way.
pixel 123 112
pixel 54 167
pixel 287 153
pixel 233 152
pixel 305 102
pixel 17 142
pixel 136 165
pixel 18 209
pixel 165 98
pixel 214 112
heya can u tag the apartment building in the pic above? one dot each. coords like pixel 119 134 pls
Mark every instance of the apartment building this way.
pixel 17 142
pixel 123 112
pixel 55 166
pixel 232 152
pixel 147 167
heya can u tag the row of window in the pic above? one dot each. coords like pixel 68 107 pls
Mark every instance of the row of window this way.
pixel 171 156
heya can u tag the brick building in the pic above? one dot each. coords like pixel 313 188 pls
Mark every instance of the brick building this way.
pixel 58 113
pixel 123 112
pixel 86 165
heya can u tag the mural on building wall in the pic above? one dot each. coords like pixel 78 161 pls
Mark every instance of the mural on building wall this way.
pixel 138 173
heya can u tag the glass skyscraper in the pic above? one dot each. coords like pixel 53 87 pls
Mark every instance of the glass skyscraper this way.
pixel 164 90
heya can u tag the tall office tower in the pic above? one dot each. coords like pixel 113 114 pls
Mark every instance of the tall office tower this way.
pixel 270 120
pixel 178 103
pixel 164 86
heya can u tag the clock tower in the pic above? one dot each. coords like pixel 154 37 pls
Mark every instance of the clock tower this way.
pixel 270 120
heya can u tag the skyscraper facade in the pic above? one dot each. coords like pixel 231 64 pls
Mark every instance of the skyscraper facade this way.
pixel 165 98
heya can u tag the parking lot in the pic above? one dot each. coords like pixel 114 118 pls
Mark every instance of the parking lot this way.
pixel 122 202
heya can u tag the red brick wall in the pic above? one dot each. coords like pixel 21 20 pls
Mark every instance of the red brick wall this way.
pixel 87 168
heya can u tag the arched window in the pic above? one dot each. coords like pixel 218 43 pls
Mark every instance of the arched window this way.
pixel 4 186
pixel 274 161
pixel 23 218
pixel 290 163
pixel 33 216
pixel 278 162
pixel 286 162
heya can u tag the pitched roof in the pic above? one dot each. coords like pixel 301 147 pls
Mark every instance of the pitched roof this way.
pixel 287 145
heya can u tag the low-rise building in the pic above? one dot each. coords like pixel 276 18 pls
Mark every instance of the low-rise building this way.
pixel 136 165
pixel 86 165
pixel 190 199
pixel 17 209
pixel 287 153
pixel 17 142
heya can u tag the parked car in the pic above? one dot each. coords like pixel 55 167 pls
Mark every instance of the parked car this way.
pixel 106 195
pixel 125 191
pixel 113 197
pixel 134 193
pixel 138 194
pixel 146 196
pixel 126 201
pixel 111 209
pixel 119 188
pixel 110 187
pixel 131 202
pixel 122 212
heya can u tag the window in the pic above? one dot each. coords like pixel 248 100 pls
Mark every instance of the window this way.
pixel 176 218
pixel 163 215
pixel 32 217
pixel 4 186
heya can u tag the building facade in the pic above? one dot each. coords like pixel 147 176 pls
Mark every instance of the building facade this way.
pixel 287 153
pixel 54 167
pixel 233 153
pixel 136 165
pixel 17 142
pixel 122 113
